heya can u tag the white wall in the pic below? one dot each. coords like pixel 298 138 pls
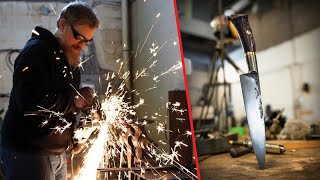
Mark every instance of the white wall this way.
pixel 17 19
pixel 143 17
pixel 108 39
pixel 16 22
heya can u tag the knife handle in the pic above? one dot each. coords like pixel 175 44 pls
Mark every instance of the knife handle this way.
pixel 241 24
pixel 237 152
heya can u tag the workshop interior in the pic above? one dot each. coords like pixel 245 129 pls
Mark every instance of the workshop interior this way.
pixel 253 86
pixel 251 107
pixel 134 66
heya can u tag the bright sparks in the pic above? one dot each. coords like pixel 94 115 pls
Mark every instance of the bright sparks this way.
pixel 116 131
pixel 52 8
pixel 93 157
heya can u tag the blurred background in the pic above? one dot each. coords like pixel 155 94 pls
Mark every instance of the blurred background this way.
pixel 286 34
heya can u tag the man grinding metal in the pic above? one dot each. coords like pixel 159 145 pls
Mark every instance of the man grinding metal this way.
pixel 46 98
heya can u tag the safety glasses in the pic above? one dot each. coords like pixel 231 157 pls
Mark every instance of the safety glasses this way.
pixel 80 38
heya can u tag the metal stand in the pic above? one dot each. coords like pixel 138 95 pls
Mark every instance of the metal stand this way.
pixel 211 91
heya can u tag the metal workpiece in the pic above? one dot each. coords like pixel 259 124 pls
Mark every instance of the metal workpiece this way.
pixel 270 148
pixel 237 152
pixel 275 148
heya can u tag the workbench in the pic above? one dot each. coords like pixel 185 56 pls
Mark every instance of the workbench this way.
pixel 300 161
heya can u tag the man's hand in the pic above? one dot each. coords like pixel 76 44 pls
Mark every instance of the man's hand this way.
pixel 77 148
pixel 95 115
pixel 85 99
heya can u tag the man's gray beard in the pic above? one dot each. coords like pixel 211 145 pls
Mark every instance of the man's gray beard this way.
pixel 73 59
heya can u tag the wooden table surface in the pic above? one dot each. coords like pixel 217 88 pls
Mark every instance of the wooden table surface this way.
pixel 300 161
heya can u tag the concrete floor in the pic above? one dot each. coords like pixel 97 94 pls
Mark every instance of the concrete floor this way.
pixel 296 163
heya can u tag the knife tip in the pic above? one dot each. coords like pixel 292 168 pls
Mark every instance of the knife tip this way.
pixel 261 162
pixel 261 166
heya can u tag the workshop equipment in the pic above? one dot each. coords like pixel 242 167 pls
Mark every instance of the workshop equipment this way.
pixel 237 152
pixel 251 88
pixel 139 164
pixel 314 132
pixel 211 143
pixel 155 172
pixel 274 122
pixel 247 148
pixel 135 141
pixel 179 124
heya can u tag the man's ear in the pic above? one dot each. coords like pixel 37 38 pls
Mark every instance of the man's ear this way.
pixel 62 24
